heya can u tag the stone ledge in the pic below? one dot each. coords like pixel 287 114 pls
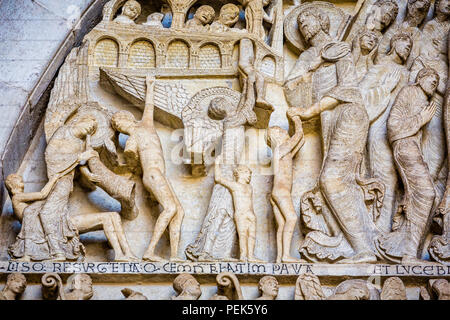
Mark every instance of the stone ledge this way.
pixel 213 268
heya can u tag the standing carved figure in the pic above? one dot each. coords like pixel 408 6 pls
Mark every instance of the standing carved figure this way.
pixel 345 123
pixel 144 148
pixel 16 283
pixel 244 215
pixel 284 150
pixel 255 15
pixel 380 86
pixel 411 111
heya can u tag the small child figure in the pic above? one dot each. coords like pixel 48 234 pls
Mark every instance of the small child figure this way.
pixel 244 216
pixel 284 149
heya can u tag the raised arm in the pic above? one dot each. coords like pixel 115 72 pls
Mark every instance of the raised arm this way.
pixel 219 178
pixel 297 140
pixel 147 116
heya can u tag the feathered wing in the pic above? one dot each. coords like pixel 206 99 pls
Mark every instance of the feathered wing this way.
pixel 308 287
pixel 70 91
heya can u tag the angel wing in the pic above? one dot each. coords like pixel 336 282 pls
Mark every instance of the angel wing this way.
pixel 71 90
pixel 308 287
pixel 169 99
pixel 229 286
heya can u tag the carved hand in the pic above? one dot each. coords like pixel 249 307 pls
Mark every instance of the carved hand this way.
pixel 391 80
pixel 428 112
pixel 88 154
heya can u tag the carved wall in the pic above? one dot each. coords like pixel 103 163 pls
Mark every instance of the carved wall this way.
pixel 303 141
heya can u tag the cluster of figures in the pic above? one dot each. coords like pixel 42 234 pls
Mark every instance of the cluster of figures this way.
pixel 383 115
pixel 79 286
pixel 380 98
pixel 204 17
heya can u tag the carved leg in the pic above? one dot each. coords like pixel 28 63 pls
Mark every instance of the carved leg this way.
pixel 243 237
pixel 175 229
pixel 251 220
pixel 284 202
pixel 109 222
pixel 155 182
pixel 280 226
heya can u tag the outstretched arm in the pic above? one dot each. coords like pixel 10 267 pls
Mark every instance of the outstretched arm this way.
pixel 219 178
pixel 297 140
pixel 147 116
pixel 326 103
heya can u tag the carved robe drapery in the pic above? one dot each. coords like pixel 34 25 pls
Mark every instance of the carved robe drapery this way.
pixel 344 136
pixel 413 216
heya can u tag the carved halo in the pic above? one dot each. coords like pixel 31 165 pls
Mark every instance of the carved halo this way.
pixel 200 129
pixel 338 22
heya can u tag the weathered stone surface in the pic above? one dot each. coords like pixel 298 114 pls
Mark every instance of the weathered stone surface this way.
pixel 290 151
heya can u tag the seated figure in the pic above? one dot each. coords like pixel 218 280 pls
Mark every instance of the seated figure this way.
pixel 155 20
pixel 229 15
pixel 31 243
pixel 202 18
pixel 130 12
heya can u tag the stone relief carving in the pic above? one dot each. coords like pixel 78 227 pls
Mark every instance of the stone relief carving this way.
pixel 15 285
pixel 78 287
pixel 358 132
pixel 186 287
pixel 130 294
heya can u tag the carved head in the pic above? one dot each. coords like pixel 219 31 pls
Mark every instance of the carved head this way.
pixel 186 284
pixel 82 283
pixel 402 44
pixel 205 14
pixel 351 290
pixel 132 9
pixel 242 174
pixel 418 10
pixel 14 184
pixel 123 121
pixel 16 283
pixel 428 80
pixel 311 21
pixel 383 14
pixel 229 14
pixel 155 17
pixel 442 288
pixel 368 40
pixel 393 289
pixel 85 125
pixel 442 7
pixel 275 136
pixel 217 109
pixel 268 286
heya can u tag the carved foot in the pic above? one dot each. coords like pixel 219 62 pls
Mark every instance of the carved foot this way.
pixel 254 260
pixel 59 257
pixel 23 259
pixel 291 260
pixel 129 258
pixel 364 257
pixel 177 259
pixel 152 258
pixel 416 261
